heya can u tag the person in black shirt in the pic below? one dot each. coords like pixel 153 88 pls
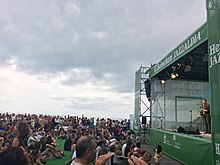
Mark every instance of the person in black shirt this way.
pixel 68 143
pixel 205 112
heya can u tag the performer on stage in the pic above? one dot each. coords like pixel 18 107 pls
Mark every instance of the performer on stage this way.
pixel 205 113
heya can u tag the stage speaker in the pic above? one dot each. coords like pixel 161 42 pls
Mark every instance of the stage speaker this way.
pixel 144 120
pixel 147 89
pixel 192 131
pixel 180 129
pixel 188 130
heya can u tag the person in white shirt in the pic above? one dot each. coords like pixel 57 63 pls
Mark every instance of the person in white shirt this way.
pixel 31 142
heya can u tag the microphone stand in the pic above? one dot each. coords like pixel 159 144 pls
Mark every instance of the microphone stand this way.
pixel 191 116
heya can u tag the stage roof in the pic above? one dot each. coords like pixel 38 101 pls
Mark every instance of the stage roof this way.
pixel 189 60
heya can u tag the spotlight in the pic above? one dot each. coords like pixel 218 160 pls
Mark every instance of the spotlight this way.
pixel 187 68
pixel 162 81
pixel 178 64
pixel 173 68
pixel 174 75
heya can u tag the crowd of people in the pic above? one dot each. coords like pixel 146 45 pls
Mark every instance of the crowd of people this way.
pixel 32 139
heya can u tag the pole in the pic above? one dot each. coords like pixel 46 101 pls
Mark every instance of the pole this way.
pixel 191 116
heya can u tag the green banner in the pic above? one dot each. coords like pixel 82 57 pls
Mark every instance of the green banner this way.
pixel 137 104
pixel 213 20
pixel 191 42
pixel 184 148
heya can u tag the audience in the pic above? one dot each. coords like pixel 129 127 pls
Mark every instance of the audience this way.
pixel 33 138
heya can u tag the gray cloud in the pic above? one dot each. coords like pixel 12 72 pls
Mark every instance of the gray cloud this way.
pixel 103 37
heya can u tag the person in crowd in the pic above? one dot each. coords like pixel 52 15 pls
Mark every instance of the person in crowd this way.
pixel 136 161
pixel 86 152
pixel 127 148
pixel 37 157
pixel 77 136
pixel 32 140
pixel 147 157
pixel 47 150
pixel 51 140
pixel 14 155
pixel 138 140
pixel 62 133
pixel 68 143
pixel 158 155
pixel 22 130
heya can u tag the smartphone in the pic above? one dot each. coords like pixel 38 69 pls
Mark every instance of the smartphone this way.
pixel 117 160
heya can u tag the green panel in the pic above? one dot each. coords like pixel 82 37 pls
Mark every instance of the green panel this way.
pixel 213 13
pixel 184 148
pixel 137 100
pixel 191 42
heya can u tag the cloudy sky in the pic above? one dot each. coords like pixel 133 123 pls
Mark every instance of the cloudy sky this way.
pixel 79 56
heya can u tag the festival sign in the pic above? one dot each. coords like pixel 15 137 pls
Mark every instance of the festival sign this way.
pixel 213 20
pixel 195 39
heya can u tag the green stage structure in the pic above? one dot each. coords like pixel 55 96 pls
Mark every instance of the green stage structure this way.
pixel 178 83
pixel 213 20
pixel 184 148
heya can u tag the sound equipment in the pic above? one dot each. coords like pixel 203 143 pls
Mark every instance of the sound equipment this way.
pixel 192 131
pixel 188 130
pixel 144 120
pixel 147 89
pixel 180 129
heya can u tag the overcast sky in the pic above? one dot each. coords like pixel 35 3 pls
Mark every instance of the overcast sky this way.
pixel 74 57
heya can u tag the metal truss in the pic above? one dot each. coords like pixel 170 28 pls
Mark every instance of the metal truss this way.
pixel 146 102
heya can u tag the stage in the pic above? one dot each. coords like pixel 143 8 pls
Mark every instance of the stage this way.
pixel 185 148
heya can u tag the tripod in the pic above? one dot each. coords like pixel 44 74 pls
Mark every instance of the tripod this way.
pixel 144 139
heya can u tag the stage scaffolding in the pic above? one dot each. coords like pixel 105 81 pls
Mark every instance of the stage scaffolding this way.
pixel 147 100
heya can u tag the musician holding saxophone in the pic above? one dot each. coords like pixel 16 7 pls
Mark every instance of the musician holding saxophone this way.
pixel 205 113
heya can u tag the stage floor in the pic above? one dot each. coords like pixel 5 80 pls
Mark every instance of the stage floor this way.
pixel 205 135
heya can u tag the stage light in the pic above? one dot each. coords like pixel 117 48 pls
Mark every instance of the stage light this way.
pixel 187 68
pixel 178 64
pixel 173 68
pixel 162 81
pixel 173 75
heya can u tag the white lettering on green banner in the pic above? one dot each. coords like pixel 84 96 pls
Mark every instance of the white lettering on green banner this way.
pixel 217 148
pixel 214 51
pixel 189 44
pixel 186 45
